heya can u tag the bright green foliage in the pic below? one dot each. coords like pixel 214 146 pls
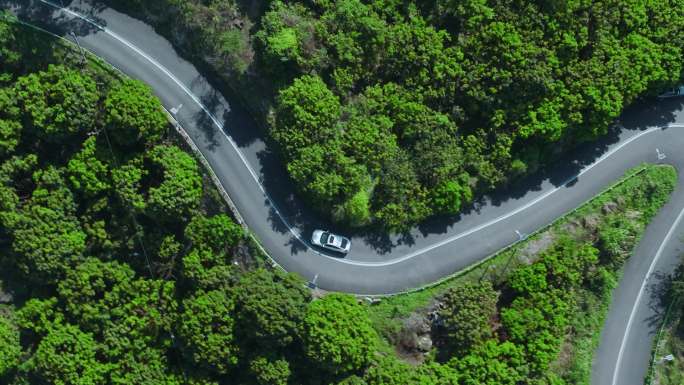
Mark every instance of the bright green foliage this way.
pixel 127 184
pixel 208 264
pixel 615 238
pixel 206 270
pixel 10 126
pixel 207 328
pixel 147 367
pixel 270 307
pixel 67 356
pixel 105 299
pixel 86 172
pixel 10 349
pixel 529 279
pixel 448 197
pixel 306 115
pixel 46 235
pixel 355 211
pixel 85 288
pixel 391 371
pixel 338 335
pixel 287 36
pixel 133 115
pixel 38 316
pixel 492 363
pixel 141 312
pixel 270 372
pixel 217 233
pixel 467 312
pixel 178 195
pixel 57 103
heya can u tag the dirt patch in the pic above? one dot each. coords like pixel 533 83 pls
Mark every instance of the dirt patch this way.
pixel 414 342
pixel 534 247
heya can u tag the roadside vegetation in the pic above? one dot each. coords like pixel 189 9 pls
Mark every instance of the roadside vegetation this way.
pixel 532 313
pixel 118 262
pixel 667 363
pixel 388 112
pixel 120 266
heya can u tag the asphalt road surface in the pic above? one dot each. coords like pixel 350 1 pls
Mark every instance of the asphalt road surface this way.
pixel 381 263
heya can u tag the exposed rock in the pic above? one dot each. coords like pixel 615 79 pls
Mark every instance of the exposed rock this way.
pixel 535 246
pixel 609 207
pixel 632 214
pixel 415 337
pixel 4 296
pixel 424 343
pixel 591 222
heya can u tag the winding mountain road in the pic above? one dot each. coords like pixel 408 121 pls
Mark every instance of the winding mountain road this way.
pixel 380 264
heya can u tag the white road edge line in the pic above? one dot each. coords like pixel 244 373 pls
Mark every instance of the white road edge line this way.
pixel 286 222
pixel 199 103
pixel 618 363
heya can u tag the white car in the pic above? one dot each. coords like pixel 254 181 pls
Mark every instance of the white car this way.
pixel 672 92
pixel 331 241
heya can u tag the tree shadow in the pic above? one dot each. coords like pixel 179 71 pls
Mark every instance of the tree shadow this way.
pixel 212 101
pixel 659 289
pixel 54 20
pixel 247 129
pixel 563 171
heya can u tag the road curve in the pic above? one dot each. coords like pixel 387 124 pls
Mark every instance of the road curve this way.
pixel 378 264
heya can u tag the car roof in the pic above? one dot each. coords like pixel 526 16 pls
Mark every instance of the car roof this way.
pixel 336 240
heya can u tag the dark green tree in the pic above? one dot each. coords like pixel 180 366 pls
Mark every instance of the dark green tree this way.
pixel 207 329
pixel 57 103
pixel 178 194
pixel 270 307
pixel 67 356
pixel 10 349
pixel 46 235
pixel 133 114
pixel 338 335
pixel 466 315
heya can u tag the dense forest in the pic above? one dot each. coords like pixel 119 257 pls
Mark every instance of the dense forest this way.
pixel 387 112
pixel 120 266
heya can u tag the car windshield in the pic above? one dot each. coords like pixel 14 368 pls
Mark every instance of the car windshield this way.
pixel 344 243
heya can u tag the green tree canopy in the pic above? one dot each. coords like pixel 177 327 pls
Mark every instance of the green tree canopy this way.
pixel 57 103
pixel 179 193
pixel 133 114
pixel 67 356
pixel 207 328
pixel 467 314
pixel 46 235
pixel 338 335
pixel 10 349
pixel 86 172
pixel 270 307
